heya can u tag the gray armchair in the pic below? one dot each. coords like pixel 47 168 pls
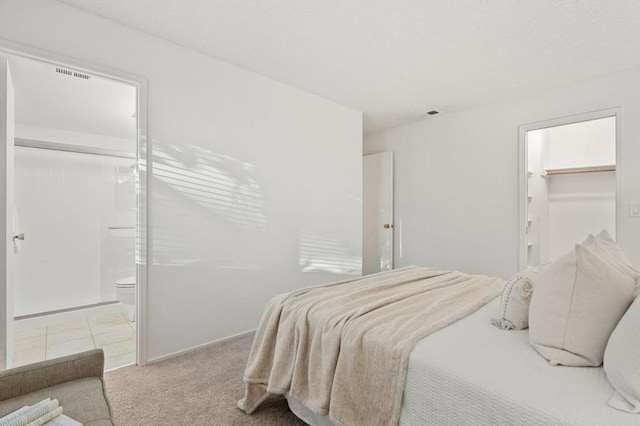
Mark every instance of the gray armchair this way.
pixel 75 381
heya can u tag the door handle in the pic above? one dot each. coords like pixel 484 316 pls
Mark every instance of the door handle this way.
pixel 387 226
pixel 18 237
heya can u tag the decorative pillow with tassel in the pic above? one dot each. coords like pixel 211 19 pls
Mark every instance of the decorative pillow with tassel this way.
pixel 514 303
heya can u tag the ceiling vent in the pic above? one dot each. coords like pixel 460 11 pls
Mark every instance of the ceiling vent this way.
pixel 72 73
pixel 429 114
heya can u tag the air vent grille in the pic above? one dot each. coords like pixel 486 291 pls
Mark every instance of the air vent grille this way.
pixel 70 73
pixel 429 114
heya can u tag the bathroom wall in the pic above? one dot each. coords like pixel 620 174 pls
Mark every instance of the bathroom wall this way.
pixel 65 202
pixel 80 268
pixel 249 177
pixel 70 137
pixel 117 227
pixel 77 210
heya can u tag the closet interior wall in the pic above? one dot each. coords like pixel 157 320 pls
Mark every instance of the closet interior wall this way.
pixel 568 198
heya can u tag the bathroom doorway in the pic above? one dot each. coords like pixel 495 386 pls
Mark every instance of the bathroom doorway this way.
pixel 79 191
pixel 568 184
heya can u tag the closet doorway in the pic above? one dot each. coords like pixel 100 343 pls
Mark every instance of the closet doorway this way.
pixel 568 184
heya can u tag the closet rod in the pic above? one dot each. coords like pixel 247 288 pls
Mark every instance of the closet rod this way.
pixel 590 169
pixel 53 146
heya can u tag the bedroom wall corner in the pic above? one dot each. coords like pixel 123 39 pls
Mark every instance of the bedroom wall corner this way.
pixel 456 183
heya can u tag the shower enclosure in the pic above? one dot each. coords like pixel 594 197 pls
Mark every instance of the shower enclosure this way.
pixel 77 209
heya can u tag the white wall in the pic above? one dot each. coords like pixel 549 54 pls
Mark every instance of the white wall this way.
pixel 565 208
pixel 457 175
pixel 65 202
pixel 538 204
pixel 582 203
pixel 49 99
pixel 69 137
pixel 588 143
pixel 246 170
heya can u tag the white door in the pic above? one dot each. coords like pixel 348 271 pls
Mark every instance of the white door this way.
pixel 377 233
pixel 7 248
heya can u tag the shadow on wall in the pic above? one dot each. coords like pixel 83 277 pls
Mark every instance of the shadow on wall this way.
pixel 322 254
pixel 207 206
pixel 219 183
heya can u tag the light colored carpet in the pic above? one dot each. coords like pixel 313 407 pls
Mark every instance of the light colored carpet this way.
pixel 199 388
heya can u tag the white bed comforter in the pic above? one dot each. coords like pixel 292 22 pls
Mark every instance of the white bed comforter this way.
pixel 472 373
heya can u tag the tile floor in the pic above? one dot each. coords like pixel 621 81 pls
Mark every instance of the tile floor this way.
pixel 111 332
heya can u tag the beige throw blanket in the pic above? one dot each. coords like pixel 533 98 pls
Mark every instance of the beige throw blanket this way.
pixel 343 349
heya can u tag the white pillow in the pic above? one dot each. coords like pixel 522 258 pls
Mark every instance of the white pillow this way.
pixel 604 236
pixel 614 255
pixel 514 303
pixel 578 301
pixel 622 361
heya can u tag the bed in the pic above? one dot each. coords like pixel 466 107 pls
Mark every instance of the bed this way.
pixel 471 373
pixel 464 371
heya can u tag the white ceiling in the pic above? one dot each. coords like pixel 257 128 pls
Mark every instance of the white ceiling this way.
pixel 396 59
pixel 96 106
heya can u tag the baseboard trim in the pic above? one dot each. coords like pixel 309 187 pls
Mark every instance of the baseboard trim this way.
pixel 198 347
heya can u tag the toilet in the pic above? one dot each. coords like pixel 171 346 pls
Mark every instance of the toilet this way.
pixel 126 294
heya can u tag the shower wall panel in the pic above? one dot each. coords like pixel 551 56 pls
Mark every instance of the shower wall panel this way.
pixel 76 211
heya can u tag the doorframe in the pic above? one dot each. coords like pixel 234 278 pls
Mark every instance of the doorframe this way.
pixel 143 155
pixel 391 219
pixel 523 164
